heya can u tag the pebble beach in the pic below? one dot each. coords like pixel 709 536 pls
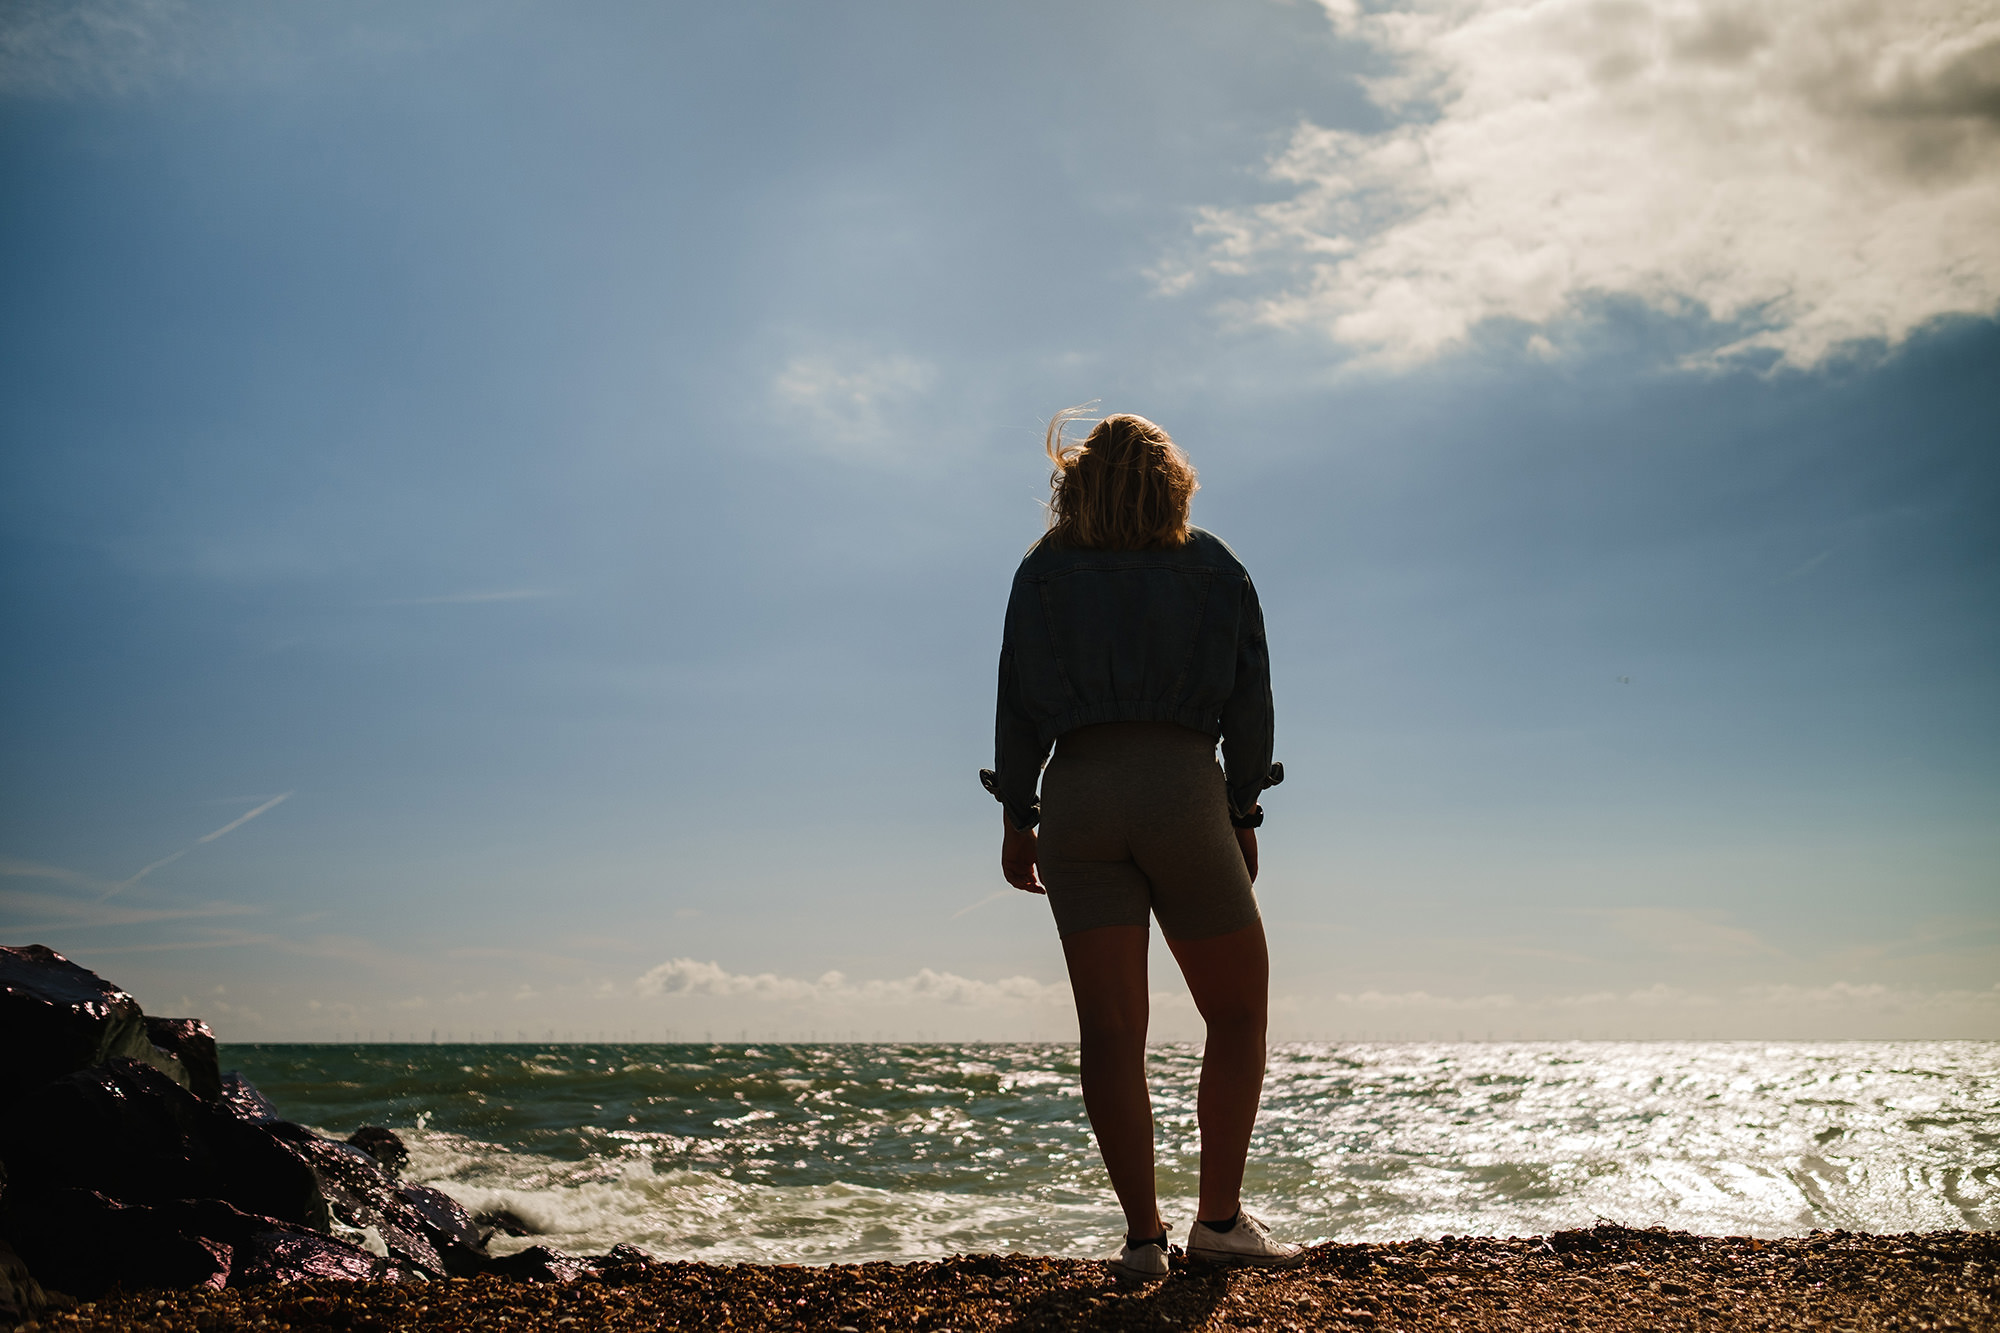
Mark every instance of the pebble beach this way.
pixel 1607 1278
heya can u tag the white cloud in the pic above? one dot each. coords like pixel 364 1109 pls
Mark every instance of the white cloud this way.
pixel 1807 173
pixel 685 976
pixel 1423 1002
pixel 853 406
pixel 1870 995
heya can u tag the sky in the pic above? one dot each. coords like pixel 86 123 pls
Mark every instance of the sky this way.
pixel 508 506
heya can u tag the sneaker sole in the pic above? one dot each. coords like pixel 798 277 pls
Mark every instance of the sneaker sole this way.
pixel 1229 1259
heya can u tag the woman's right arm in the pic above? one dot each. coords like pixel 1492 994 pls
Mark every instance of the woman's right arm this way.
pixel 1018 755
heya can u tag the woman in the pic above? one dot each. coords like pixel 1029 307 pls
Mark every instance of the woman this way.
pixel 1133 641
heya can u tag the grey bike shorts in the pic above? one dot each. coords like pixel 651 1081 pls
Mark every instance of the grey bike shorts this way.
pixel 1135 822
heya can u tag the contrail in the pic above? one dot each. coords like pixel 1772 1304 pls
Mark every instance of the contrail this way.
pixel 240 820
pixel 230 827
pixel 969 907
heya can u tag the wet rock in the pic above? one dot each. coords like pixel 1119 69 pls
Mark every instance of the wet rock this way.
pixel 384 1145
pixel 84 1243
pixel 286 1256
pixel 539 1263
pixel 126 1130
pixel 21 1297
pixel 625 1263
pixel 460 1241
pixel 59 1017
pixel 417 1224
pixel 507 1222
pixel 241 1099
pixel 190 1042
pixel 361 1194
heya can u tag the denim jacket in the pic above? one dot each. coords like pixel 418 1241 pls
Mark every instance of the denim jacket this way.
pixel 1172 635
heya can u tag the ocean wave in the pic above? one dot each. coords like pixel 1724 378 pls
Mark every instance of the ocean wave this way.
pixel 822 1153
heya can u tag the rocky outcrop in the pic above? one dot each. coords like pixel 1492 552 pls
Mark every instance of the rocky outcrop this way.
pixel 21 1297
pixel 129 1159
pixel 384 1145
pixel 128 1131
pixel 59 1018
pixel 190 1042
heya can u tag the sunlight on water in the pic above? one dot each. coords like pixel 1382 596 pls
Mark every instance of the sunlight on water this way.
pixel 825 1153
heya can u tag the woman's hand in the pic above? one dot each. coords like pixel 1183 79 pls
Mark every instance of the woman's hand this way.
pixel 1017 856
pixel 1246 838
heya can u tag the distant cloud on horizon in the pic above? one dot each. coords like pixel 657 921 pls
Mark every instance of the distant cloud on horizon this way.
pixel 686 976
pixel 1807 175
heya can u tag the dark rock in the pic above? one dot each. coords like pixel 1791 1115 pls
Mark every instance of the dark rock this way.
pixel 418 1225
pixel 59 1018
pixel 128 1131
pixel 507 1222
pixel 83 1243
pixel 361 1194
pixel 625 1263
pixel 189 1041
pixel 287 1256
pixel 539 1263
pixel 460 1240
pixel 241 1099
pixel 384 1145
pixel 21 1297
pixel 96 1242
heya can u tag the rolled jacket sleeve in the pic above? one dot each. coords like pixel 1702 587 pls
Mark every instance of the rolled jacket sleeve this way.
pixel 1248 718
pixel 1018 749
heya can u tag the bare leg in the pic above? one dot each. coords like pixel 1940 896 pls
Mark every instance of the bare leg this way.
pixel 1230 979
pixel 1107 974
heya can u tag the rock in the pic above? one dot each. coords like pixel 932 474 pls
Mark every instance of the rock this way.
pixel 418 1225
pixel 384 1145
pixel 128 1131
pixel 507 1222
pixel 241 1099
pixel 361 1194
pixel 460 1240
pixel 88 1243
pixel 286 1256
pixel 60 1018
pixel 84 1243
pixel 21 1297
pixel 539 1263
pixel 190 1042
pixel 625 1263
pixel 135 1162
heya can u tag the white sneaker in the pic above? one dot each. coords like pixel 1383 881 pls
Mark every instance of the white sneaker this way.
pixel 1248 1242
pixel 1146 1261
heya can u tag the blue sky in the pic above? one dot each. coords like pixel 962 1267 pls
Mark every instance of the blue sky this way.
pixel 575 457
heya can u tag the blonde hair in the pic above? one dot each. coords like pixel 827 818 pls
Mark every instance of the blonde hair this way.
pixel 1123 487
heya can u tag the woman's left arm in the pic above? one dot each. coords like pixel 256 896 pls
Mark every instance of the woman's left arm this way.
pixel 1247 718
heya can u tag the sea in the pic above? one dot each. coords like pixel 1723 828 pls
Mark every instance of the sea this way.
pixel 836 1152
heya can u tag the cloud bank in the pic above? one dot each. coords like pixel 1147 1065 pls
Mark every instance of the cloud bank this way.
pixel 685 976
pixel 1805 173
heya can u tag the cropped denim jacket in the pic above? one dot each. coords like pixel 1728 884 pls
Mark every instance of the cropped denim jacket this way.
pixel 1172 635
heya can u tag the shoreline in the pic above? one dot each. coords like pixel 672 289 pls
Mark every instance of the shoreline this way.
pixel 1608 1277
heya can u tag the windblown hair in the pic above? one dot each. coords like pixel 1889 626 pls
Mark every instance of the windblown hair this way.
pixel 1124 487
